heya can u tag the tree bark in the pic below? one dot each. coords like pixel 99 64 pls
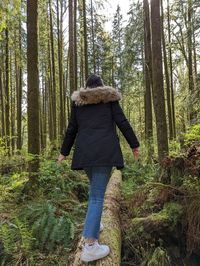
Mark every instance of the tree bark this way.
pixel 71 48
pixel 60 63
pixel 2 107
pixel 168 90
pixel 93 46
pixel 19 94
pixel 54 105
pixel 158 91
pixel 111 234
pixel 7 93
pixel 171 70
pixel 85 39
pixel 190 60
pixel 33 85
pixel 148 80
pixel 75 46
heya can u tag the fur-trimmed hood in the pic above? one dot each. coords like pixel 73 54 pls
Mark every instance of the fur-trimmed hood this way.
pixel 96 95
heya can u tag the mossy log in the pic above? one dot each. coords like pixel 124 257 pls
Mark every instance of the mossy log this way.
pixel 111 234
pixel 162 222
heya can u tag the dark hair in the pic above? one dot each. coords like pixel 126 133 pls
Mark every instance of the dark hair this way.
pixel 94 81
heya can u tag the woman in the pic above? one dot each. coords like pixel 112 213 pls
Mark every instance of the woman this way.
pixel 94 116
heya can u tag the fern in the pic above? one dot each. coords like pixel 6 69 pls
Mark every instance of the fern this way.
pixel 50 229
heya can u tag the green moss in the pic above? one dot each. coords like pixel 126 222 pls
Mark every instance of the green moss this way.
pixel 193 134
pixel 159 258
pixel 173 211
pixel 171 214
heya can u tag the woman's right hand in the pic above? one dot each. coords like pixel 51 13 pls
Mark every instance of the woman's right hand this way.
pixel 136 153
pixel 61 158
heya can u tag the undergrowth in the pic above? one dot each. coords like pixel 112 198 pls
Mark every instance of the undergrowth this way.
pixel 43 230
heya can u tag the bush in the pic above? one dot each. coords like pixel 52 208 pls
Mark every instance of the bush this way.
pixel 193 134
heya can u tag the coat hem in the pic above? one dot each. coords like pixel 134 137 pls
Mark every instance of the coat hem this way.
pixel 96 165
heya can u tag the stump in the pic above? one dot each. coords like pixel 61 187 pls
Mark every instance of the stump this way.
pixel 111 234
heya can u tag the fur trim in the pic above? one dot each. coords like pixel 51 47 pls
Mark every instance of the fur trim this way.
pixel 95 95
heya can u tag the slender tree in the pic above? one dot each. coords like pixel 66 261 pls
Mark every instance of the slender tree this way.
pixel 190 59
pixel 158 90
pixel 71 47
pixel 19 92
pixel 171 69
pixel 54 105
pixel 167 79
pixel 7 91
pixel 85 40
pixel 33 85
pixel 148 79
pixel 60 61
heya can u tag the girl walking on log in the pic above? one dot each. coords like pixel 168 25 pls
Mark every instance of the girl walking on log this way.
pixel 92 126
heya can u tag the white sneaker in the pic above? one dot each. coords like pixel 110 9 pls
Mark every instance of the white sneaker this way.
pixel 94 252
pixel 101 227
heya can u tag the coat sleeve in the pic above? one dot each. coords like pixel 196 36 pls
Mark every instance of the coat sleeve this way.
pixel 70 134
pixel 123 124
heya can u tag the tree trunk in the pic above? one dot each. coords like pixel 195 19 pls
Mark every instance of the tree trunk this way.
pixel 158 90
pixel 93 48
pixel 2 107
pixel 19 94
pixel 111 234
pixel 75 46
pixel 33 86
pixel 7 93
pixel 171 70
pixel 85 40
pixel 12 106
pixel 71 48
pixel 54 105
pixel 148 80
pixel 168 91
pixel 60 63
pixel 190 60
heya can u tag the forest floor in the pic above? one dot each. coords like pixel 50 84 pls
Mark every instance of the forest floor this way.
pixel 160 212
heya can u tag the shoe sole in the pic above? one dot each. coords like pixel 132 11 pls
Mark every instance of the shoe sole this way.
pixel 85 259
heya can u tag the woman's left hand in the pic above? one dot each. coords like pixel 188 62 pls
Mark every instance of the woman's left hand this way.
pixel 61 158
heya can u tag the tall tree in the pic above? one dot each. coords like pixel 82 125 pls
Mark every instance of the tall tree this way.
pixel 85 39
pixel 54 105
pixel 33 85
pixel 60 61
pixel 158 90
pixel 190 58
pixel 7 91
pixel 148 79
pixel 71 47
pixel 168 90
pixel 171 69
pixel 19 92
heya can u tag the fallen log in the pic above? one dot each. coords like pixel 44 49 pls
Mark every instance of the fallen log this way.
pixel 111 234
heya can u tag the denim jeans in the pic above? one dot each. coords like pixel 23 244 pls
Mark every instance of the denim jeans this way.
pixel 99 177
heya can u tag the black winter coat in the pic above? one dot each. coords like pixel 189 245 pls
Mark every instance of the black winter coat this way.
pixel 94 116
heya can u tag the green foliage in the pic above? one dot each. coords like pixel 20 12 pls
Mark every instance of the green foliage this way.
pixel 136 175
pixel 16 237
pixel 192 185
pixel 174 148
pixel 193 134
pixel 159 258
pixel 58 180
pixel 50 229
pixel 171 211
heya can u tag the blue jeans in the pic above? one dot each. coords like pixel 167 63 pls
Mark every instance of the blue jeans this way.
pixel 99 177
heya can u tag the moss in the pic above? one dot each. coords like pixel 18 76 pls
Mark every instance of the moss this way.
pixel 159 258
pixel 171 212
